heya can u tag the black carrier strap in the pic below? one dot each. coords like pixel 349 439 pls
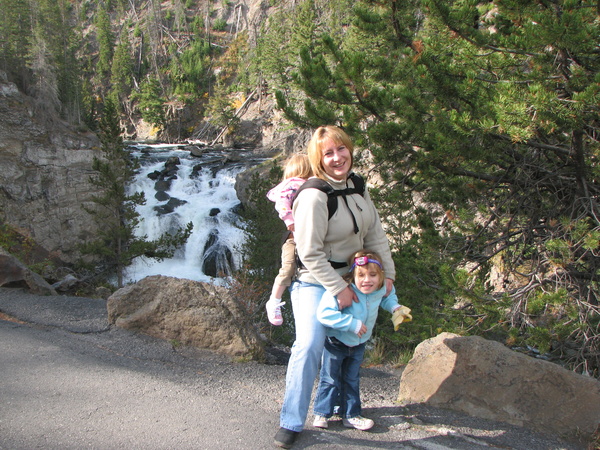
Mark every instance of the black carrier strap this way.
pixel 334 264
pixel 332 202
pixel 333 194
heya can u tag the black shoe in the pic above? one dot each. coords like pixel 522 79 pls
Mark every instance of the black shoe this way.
pixel 285 438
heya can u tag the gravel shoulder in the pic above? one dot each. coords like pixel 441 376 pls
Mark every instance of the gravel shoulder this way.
pixel 68 380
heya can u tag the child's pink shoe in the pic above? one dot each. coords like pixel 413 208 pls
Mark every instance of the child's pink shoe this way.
pixel 273 307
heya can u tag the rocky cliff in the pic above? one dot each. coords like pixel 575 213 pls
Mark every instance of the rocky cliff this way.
pixel 45 167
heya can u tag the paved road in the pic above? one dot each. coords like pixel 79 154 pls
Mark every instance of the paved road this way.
pixel 69 381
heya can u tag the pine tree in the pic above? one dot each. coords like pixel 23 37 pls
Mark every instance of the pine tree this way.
pixel 55 21
pixel 45 88
pixel 106 40
pixel 15 28
pixel 37 52
pixel 122 69
pixel 150 102
pixel 180 20
pixel 154 28
pixel 482 121
pixel 190 72
pixel 114 209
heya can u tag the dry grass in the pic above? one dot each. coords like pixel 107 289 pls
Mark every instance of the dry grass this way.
pixel 8 318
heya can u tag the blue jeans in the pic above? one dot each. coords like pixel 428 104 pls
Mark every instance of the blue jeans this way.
pixel 339 379
pixel 306 354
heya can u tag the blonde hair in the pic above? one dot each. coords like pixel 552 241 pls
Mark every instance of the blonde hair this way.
pixel 297 166
pixel 371 266
pixel 317 142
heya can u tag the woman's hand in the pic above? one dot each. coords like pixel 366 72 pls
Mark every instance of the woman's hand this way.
pixel 389 284
pixel 346 297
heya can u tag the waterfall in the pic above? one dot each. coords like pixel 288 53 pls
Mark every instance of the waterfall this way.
pixel 181 188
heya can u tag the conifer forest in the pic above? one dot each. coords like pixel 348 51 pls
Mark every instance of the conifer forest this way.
pixel 477 123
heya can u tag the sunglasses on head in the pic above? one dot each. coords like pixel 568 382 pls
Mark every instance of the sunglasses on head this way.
pixel 363 261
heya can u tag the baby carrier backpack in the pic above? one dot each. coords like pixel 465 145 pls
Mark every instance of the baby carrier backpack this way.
pixel 333 194
pixel 332 202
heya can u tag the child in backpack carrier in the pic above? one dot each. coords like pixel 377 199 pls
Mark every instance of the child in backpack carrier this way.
pixel 297 171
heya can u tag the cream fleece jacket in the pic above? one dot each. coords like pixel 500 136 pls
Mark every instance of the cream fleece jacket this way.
pixel 319 240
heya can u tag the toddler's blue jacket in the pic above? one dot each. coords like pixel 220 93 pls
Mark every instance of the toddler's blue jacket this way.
pixel 342 324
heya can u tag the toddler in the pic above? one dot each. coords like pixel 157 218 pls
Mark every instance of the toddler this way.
pixel 347 332
pixel 297 171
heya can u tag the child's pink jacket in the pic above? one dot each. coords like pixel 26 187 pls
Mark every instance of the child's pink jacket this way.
pixel 283 196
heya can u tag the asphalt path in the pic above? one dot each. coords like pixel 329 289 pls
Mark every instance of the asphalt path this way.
pixel 68 380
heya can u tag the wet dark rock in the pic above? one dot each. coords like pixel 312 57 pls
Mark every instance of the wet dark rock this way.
pixel 237 209
pixel 162 185
pixel 218 259
pixel 162 196
pixel 232 157
pixel 195 150
pixel 170 206
pixel 196 170
pixel 154 175
pixel 169 173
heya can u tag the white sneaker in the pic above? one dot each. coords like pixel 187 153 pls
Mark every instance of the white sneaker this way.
pixel 359 422
pixel 273 307
pixel 320 422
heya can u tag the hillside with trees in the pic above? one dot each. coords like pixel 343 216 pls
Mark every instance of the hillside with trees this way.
pixel 477 120
pixel 168 63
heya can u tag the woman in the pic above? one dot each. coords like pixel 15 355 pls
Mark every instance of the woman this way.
pixel 323 244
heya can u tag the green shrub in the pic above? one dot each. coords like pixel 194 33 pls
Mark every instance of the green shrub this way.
pixel 262 253
pixel 219 24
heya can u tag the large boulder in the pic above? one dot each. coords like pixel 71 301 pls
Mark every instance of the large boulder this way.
pixel 14 273
pixel 485 379
pixel 190 312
